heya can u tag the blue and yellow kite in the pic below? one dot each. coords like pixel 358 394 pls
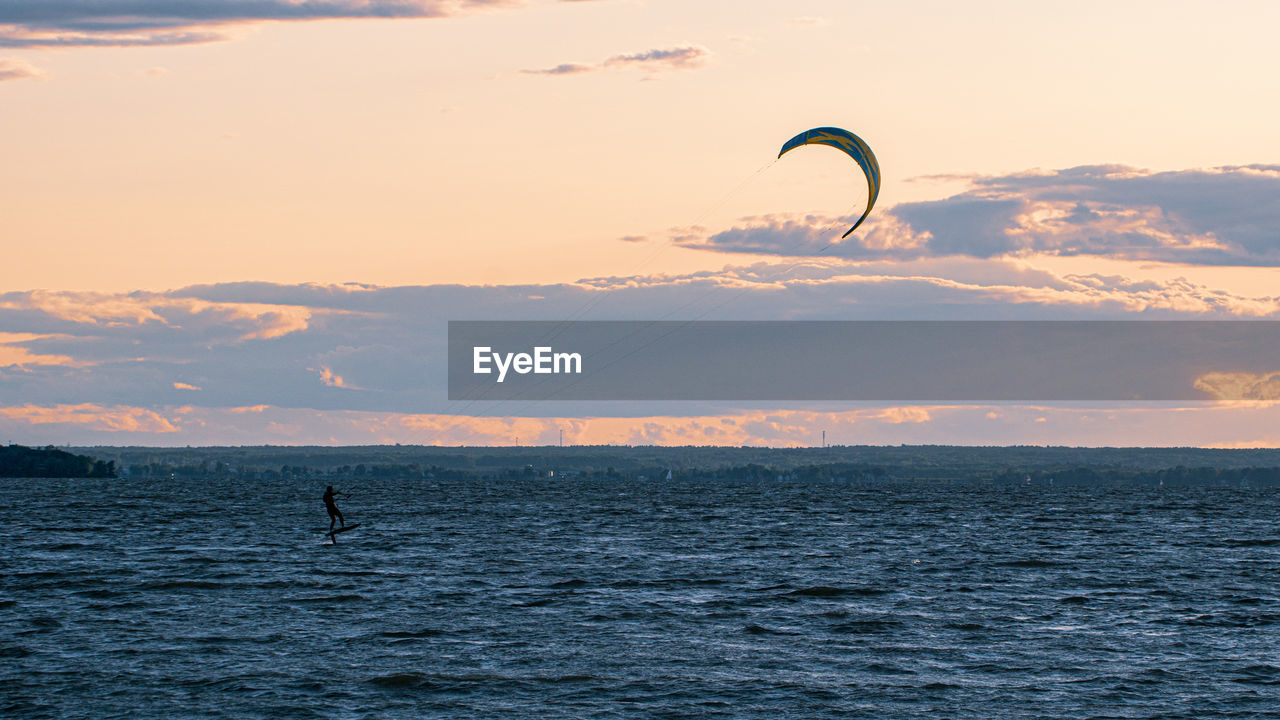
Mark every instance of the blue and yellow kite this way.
pixel 855 148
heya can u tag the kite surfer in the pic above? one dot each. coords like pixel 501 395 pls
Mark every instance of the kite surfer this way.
pixel 332 507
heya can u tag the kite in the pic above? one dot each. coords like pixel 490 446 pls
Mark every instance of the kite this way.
pixel 851 145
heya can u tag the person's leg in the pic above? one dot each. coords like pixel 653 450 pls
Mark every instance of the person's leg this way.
pixel 344 522
pixel 332 518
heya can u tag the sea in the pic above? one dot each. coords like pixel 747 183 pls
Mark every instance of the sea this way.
pixel 585 598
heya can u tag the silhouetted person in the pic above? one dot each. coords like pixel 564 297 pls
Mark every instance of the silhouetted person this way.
pixel 334 512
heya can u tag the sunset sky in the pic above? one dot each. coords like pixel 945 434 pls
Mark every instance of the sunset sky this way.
pixel 248 221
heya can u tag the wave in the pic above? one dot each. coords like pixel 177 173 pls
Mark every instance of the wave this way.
pixel 754 629
pixel 183 585
pixel 831 591
pixel 569 584
pixel 860 627
pixel 424 632
pixel 1030 563
pixel 349 597
pixel 1251 542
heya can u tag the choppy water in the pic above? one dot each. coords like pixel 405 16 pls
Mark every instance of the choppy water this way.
pixel 576 599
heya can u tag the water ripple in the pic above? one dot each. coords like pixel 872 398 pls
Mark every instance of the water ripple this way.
pixel 576 599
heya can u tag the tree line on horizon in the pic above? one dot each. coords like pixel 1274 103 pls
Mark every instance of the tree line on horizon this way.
pixel 864 464
pixel 19 461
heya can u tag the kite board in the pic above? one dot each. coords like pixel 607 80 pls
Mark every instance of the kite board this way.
pixel 343 529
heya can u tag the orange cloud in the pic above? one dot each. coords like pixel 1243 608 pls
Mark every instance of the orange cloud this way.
pixel 774 428
pixel 274 321
pixel 328 377
pixel 115 418
pixel 1240 386
pixel 89 307
pixel 1199 424
pixel 253 321
pixel 899 415
pixel 248 409
pixel 11 354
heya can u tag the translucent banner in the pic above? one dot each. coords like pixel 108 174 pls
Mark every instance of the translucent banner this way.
pixel 899 361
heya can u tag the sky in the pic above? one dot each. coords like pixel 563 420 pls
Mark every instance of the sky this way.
pixel 249 221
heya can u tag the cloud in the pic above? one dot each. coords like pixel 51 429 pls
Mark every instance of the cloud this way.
pixel 672 59
pixel 1205 425
pixel 379 355
pixel 272 424
pixel 122 23
pixel 248 409
pixel 383 350
pixel 813 235
pixel 95 417
pixel 235 321
pixel 102 366
pixel 1240 386
pixel 653 61
pixel 13 354
pixel 564 69
pixel 330 379
pixel 1219 217
pixel 13 69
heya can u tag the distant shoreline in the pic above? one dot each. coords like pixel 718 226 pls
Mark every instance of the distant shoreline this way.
pixel 934 463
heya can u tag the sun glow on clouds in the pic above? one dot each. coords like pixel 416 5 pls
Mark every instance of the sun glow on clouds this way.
pixel 11 354
pixel 1070 291
pixel 378 351
pixel 1210 424
pixel 780 427
pixel 246 320
pixel 248 409
pixel 310 342
pixel 1240 386
pixel 328 377
pixel 1217 217
pixel 114 418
